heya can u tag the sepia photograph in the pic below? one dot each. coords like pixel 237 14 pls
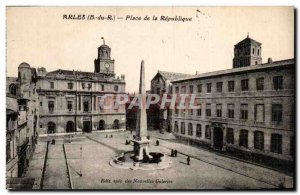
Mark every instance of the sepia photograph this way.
pixel 150 98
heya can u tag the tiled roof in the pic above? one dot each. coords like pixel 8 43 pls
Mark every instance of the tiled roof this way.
pixel 71 73
pixel 248 41
pixel 172 75
pixel 240 70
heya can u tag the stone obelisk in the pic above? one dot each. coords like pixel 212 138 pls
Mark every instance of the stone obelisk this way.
pixel 141 141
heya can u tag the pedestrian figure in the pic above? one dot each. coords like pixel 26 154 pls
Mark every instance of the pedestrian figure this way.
pixel 172 153
pixel 188 160
pixel 131 131
pixel 53 141
pixel 111 136
pixel 157 142
pixel 175 153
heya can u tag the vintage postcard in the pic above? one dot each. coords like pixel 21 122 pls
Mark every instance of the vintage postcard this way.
pixel 143 98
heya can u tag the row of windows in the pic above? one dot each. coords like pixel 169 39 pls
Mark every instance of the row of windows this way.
pixel 85 86
pixel 86 106
pixel 277 85
pixel 259 111
pixel 258 142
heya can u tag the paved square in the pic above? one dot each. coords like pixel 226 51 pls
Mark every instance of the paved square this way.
pixel 97 150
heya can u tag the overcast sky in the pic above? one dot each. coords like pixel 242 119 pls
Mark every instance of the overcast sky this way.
pixel 40 37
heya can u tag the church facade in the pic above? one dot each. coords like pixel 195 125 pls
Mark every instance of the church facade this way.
pixel 249 109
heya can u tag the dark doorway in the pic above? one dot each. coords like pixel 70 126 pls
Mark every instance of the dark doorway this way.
pixel 51 127
pixel 70 127
pixel 218 138
pixel 87 126
pixel 101 125
pixel 116 124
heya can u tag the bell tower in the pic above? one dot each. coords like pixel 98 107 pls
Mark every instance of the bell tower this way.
pixel 104 64
pixel 246 53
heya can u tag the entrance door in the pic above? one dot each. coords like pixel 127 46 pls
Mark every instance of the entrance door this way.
pixel 87 126
pixel 218 138
pixel 101 125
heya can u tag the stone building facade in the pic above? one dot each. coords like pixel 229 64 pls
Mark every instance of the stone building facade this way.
pixel 249 109
pixel 162 84
pixel 21 120
pixel 70 101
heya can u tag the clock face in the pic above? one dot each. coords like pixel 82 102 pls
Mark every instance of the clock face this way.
pixel 107 65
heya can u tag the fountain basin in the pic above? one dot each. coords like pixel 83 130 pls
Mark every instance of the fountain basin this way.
pixel 126 160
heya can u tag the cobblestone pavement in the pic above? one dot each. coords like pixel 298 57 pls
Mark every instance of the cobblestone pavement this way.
pixel 89 167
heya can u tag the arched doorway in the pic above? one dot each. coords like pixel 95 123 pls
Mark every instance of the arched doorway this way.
pixel 101 125
pixel 70 127
pixel 51 128
pixel 218 138
pixel 116 124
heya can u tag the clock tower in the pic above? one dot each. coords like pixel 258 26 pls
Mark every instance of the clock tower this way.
pixel 104 64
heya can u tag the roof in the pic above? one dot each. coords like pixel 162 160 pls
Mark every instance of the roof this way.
pixel 104 46
pixel 172 75
pixel 24 65
pixel 248 41
pixel 79 74
pixel 240 70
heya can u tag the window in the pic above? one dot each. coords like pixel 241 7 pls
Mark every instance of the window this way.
pixel 207 132
pixel 229 136
pixel 176 127
pixel 79 103
pixel 244 111
pixel 51 106
pixel 102 87
pixel 208 110
pixel 259 113
pixel 198 131
pixel 191 112
pixel 230 86
pixel 176 110
pixel 51 85
pixel 277 112
pixel 183 89
pixel 276 143
pixel 199 87
pixel 244 138
pixel 176 89
pixel 183 112
pixel 260 84
pixel 41 103
pixel 208 87
pixel 245 84
pixel 292 145
pixel 230 108
pixel 253 51
pixel 70 85
pixel 190 129
pixel 258 52
pixel 116 88
pixel 277 82
pixel 259 140
pixel 191 89
pixel 70 105
pixel 182 128
pixel 219 110
pixel 219 86
pixel 13 89
pixel 85 106
pixel 199 110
